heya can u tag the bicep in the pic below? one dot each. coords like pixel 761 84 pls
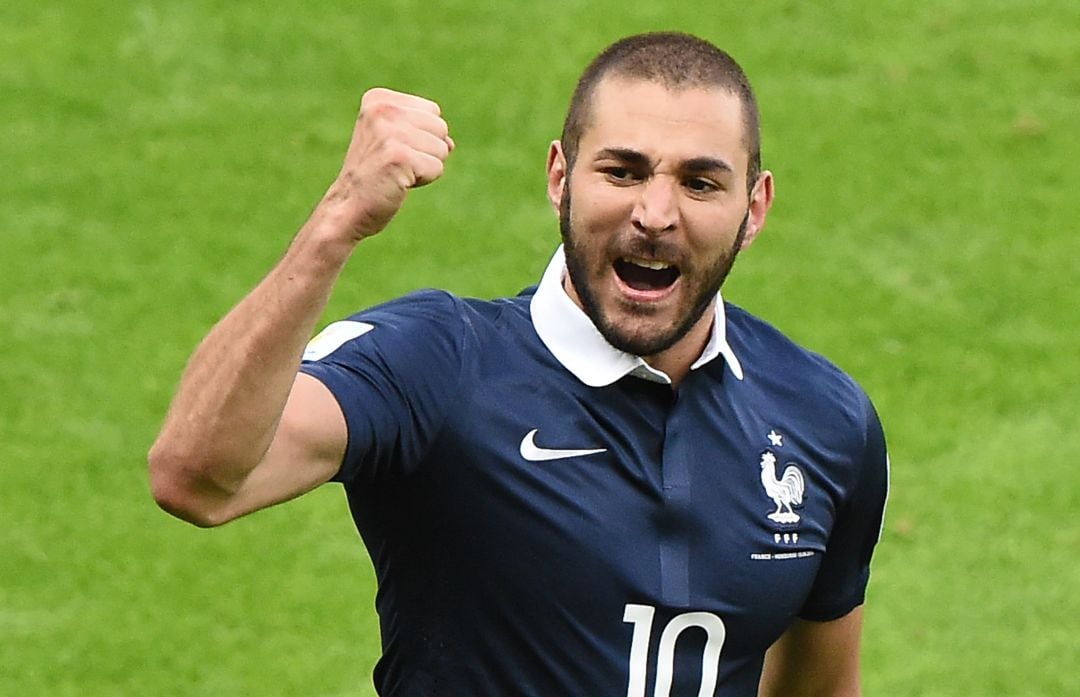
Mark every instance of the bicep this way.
pixel 306 451
pixel 813 659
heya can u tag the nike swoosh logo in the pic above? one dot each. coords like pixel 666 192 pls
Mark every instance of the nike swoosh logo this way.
pixel 534 453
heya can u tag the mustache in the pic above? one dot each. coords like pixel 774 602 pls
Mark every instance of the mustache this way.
pixel 636 244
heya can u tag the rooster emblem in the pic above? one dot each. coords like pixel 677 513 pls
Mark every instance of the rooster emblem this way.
pixel 787 491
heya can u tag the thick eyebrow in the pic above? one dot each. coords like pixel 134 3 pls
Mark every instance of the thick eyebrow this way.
pixel 699 165
pixel 625 155
pixel 695 165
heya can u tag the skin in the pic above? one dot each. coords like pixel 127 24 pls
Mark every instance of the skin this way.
pixel 660 175
pixel 815 659
pixel 246 431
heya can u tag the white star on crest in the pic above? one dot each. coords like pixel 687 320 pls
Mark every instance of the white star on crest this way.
pixel 775 438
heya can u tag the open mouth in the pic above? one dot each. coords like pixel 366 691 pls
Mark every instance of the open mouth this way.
pixel 646 274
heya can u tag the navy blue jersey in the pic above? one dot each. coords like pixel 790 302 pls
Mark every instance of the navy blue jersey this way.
pixel 546 516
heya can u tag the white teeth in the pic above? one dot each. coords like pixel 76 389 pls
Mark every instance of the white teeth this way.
pixel 647 263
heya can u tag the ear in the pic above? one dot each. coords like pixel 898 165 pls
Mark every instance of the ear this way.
pixel 556 175
pixel 761 200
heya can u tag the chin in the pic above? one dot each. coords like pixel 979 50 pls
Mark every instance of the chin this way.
pixel 642 341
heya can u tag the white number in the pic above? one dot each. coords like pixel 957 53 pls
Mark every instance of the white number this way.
pixel 641 616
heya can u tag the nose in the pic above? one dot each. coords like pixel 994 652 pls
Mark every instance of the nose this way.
pixel 656 211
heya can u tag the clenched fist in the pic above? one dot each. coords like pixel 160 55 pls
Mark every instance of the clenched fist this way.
pixel 400 142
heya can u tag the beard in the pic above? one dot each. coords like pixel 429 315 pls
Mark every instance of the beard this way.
pixel 702 285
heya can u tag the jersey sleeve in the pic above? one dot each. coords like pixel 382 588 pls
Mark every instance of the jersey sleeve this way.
pixel 840 585
pixel 394 370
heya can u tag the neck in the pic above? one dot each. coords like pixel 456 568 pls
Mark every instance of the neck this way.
pixel 675 361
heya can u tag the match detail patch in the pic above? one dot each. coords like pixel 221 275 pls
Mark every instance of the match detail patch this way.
pixel 333 336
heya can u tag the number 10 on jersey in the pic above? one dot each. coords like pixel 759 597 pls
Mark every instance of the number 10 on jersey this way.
pixel 641 616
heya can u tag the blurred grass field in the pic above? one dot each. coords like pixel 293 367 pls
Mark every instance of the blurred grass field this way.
pixel 157 158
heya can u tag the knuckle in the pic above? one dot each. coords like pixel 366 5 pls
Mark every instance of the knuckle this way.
pixel 381 111
pixel 375 94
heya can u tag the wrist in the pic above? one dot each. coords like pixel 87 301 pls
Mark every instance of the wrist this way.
pixel 344 211
pixel 326 240
pixel 341 217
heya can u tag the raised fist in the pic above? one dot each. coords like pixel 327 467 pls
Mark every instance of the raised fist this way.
pixel 400 142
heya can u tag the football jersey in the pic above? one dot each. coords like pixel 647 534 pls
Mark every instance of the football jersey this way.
pixel 547 516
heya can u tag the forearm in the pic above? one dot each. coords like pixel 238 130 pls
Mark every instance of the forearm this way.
pixel 236 384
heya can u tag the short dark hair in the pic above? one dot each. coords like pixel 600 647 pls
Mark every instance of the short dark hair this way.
pixel 676 61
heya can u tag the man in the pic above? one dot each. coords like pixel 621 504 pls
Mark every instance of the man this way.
pixel 613 484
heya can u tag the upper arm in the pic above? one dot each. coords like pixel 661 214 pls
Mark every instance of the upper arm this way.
pixel 815 659
pixel 306 451
pixel 370 395
pixel 398 372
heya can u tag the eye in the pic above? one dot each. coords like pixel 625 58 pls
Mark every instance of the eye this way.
pixel 621 175
pixel 699 185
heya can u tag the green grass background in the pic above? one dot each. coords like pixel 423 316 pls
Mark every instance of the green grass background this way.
pixel 155 159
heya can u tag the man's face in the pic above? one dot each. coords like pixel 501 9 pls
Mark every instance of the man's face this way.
pixel 655 210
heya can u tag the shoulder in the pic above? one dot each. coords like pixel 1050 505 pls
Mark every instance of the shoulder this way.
pixel 421 322
pixel 432 311
pixel 759 340
pixel 428 305
pixel 428 312
pixel 803 379
pixel 444 308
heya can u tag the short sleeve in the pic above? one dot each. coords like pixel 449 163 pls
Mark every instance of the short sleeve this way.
pixel 840 585
pixel 394 370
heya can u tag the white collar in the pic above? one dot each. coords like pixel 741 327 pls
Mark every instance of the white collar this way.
pixel 575 341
